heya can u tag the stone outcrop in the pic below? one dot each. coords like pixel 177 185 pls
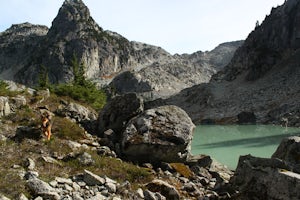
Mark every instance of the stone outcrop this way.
pixel 262 77
pixel 41 188
pixel 2 197
pixel 86 117
pixel 270 178
pixel 17 46
pixel 160 134
pixel 289 151
pixel 164 188
pixel 118 112
pixel 258 178
pixel 165 79
pixel 154 135
pixel 76 111
pixel 81 187
pixel 27 51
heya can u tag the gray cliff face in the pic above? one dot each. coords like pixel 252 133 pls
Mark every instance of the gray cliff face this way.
pixel 75 33
pixel 262 77
pixel 167 77
pixel 17 46
pixel 25 48
pixel 275 39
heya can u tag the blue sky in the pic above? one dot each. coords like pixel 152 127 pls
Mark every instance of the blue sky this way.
pixel 178 26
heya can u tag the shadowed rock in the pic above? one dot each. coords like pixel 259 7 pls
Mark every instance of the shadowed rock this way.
pixel 289 151
pixel 118 112
pixel 270 178
pixel 160 134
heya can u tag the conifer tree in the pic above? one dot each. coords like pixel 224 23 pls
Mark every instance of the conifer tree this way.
pixel 43 79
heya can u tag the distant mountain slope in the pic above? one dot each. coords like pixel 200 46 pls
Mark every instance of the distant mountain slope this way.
pixel 262 78
pixel 17 47
pixel 25 48
pixel 182 71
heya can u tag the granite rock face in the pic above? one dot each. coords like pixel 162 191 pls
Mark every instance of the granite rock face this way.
pixel 262 77
pixel 181 71
pixel 270 178
pixel 17 46
pixel 163 134
pixel 289 151
pixel 27 50
pixel 118 112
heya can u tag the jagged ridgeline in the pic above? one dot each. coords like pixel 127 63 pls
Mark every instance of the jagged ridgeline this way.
pixel 25 48
pixel 262 79
pixel 73 31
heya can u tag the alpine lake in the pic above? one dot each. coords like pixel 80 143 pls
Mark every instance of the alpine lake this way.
pixel 225 143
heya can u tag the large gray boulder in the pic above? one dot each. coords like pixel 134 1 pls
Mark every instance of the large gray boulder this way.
pixel 262 178
pixel 76 111
pixel 289 151
pixel 167 190
pixel 17 102
pixel 87 117
pixel 41 188
pixel 118 112
pixel 270 178
pixel 160 134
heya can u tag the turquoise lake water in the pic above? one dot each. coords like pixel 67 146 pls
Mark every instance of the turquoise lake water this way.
pixel 227 143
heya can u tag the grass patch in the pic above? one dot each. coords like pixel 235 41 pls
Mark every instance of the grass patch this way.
pixel 24 116
pixel 89 95
pixel 119 170
pixel 111 167
pixel 64 128
pixel 11 184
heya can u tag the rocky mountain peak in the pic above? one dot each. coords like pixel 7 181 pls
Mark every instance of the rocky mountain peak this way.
pixel 105 54
pixel 267 45
pixel 261 80
pixel 73 17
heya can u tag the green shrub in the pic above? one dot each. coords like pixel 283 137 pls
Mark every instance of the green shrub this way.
pixel 81 89
pixel 24 116
pixel 90 95
pixel 43 79
pixel 4 91
pixel 64 128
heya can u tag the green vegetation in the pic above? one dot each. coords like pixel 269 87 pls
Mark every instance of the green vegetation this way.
pixel 111 167
pixel 43 80
pixel 24 116
pixel 80 89
pixel 11 184
pixel 66 129
pixel 13 155
pixel 91 95
pixel 6 92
